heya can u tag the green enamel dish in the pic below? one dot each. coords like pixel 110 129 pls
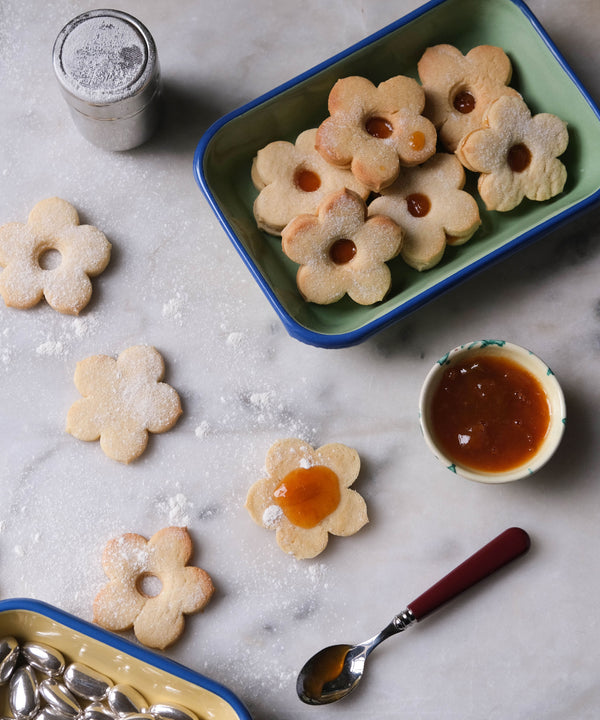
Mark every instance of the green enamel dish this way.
pixel 223 160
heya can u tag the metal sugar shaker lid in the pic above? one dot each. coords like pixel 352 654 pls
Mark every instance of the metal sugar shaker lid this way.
pixel 107 67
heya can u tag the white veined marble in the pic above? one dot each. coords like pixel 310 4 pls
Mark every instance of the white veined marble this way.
pixel 522 646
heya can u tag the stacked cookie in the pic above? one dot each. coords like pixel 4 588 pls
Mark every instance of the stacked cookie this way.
pixel 369 183
pixel 490 128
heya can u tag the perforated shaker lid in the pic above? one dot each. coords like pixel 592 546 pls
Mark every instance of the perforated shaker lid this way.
pixel 106 63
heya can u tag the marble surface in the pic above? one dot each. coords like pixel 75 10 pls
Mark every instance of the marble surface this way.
pixel 523 644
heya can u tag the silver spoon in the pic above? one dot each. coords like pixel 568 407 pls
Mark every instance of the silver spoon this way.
pixel 335 671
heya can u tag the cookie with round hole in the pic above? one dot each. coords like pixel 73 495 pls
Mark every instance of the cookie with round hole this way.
pixel 151 586
pixel 51 256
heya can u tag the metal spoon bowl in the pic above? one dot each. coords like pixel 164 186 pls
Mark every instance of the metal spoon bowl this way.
pixel 335 671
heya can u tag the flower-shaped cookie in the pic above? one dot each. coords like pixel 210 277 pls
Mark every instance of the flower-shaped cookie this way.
pixel 516 154
pixel 293 179
pixel 123 401
pixel 374 130
pixel 26 250
pixel 307 495
pixel 460 87
pixel 341 251
pixel 151 586
pixel 431 208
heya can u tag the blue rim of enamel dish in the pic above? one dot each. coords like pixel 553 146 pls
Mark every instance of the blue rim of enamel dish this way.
pixel 356 336
pixel 148 657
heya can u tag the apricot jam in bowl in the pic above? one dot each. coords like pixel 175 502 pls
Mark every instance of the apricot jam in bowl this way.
pixel 492 411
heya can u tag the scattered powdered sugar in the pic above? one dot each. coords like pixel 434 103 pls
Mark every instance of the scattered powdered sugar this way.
pixel 176 508
pixel 82 327
pixel 235 339
pixel 173 308
pixel 6 352
pixel 317 574
pixel 262 400
pixel 266 409
pixel 60 345
pixel 289 602
pixel 51 347
pixel 102 55
pixel 202 430
pixel 271 516
pixel 135 554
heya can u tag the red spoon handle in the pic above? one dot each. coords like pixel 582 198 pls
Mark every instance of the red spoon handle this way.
pixel 497 553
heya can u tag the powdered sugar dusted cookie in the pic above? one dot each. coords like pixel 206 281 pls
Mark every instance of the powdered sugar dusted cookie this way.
pixel 123 400
pixel 341 251
pixel 460 87
pixel 151 586
pixel 82 251
pixel 516 154
pixel 293 179
pixel 374 130
pixel 432 209
pixel 306 495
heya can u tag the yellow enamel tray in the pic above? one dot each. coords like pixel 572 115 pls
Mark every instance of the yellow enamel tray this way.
pixel 158 679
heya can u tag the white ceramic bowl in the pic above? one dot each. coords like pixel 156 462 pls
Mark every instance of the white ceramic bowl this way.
pixel 527 360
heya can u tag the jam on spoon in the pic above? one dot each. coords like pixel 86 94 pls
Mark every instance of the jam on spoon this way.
pixel 335 671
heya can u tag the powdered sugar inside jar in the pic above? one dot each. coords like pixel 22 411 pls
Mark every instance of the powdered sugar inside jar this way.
pixel 108 71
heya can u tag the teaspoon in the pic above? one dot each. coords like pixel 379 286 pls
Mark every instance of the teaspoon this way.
pixel 335 671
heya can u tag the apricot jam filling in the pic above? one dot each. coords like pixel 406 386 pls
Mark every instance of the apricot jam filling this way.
pixel 342 251
pixel 489 414
pixel 308 495
pixel 519 157
pixel 418 205
pixel 416 141
pixel 307 180
pixel 464 102
pixel 326 668
pixel 379 127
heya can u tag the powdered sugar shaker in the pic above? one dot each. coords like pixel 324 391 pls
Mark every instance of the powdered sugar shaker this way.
pixel 108 71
